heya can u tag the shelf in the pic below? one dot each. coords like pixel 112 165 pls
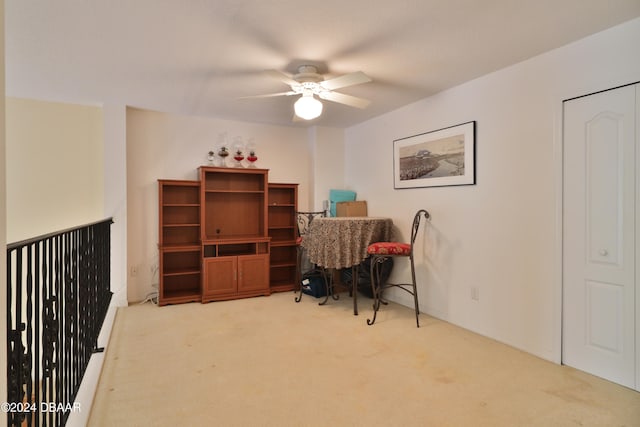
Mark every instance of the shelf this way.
pixel 282 194
pixel 236 248
pixel 282 264
pixel 180 297
pixel 182 293
pixel 179 193
pixel 182 247
pixel 179 236
pixel 282 219
pixel 235 191
pixel 283 279
pixel 230 180
pixel 238 238
pixel 180 272
pixel 180 288
pixel 278 243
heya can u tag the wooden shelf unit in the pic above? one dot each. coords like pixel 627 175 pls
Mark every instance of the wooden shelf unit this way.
pixel 179 242
pixel 236 246
pixel 282 207
pixel 232 234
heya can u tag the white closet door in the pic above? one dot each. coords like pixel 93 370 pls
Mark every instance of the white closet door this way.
pixel 599 220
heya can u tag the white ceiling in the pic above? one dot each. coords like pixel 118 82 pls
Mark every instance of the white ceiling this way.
pixel 196 57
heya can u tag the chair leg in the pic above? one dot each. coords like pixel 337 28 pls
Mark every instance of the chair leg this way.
pixel 328 286
pixel 374 276
pixel 415 291
pixel 298 275
pixel 355 271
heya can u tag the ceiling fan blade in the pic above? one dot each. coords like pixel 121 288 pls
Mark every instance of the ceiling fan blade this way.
pixel 269 95
pixel 283 77
pixel 341 98
pixel 350 79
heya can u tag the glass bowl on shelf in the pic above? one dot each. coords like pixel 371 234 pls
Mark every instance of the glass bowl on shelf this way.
pixel 238 152
pixel 223 153
pixel 251 158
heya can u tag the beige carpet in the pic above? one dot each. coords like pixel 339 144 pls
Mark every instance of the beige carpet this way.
pixel 271 362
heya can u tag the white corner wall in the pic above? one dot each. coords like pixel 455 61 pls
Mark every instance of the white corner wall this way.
pixel 166 146
pixel 115 196
pixel 327 154
pixel 501 235
pixel 55 173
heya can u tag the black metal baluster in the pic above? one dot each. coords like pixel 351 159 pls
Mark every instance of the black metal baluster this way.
pixel 29 329
pixel 74 354
pixel 68 319
pixel 18 348
pixel 51 322
pixel 59 289
pixel 38 333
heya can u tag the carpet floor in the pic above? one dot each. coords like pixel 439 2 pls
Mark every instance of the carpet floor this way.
pixel 268 361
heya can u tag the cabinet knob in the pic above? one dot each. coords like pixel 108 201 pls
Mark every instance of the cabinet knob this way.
pixel 604 252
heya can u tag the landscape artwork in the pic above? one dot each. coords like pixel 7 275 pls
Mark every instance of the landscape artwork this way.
pixel 439 158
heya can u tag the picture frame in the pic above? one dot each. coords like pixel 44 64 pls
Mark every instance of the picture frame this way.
pixel 439 158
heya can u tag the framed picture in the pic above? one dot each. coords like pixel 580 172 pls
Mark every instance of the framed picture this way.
pixel 436 159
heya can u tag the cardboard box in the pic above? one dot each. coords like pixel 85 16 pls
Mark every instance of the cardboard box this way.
pixel 358 208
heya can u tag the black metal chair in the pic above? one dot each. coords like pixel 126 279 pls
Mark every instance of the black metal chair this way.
pixel 303 222
pixel 379 251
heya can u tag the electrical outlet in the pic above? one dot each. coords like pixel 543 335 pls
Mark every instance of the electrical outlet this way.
pixel 475 293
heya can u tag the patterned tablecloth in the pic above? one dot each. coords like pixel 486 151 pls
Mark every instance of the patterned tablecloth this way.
pixel 341 242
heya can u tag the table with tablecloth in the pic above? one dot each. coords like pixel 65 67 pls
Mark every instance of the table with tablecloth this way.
pixel 341 242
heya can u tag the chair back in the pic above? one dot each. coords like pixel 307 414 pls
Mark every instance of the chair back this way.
pixel 416 225
pixel 304 219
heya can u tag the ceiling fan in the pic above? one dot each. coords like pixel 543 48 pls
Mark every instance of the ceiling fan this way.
pixel 308 82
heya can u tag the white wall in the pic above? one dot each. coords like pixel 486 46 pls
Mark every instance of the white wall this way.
pixel 500 235
pixel 327 152
pixel 115 195
pixel 55 168
pixel 165 146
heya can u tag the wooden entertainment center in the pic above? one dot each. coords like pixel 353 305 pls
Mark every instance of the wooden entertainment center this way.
pixel 232 234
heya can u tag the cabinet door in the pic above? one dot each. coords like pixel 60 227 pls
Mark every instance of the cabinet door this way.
pixel 220 275
pixel 253 271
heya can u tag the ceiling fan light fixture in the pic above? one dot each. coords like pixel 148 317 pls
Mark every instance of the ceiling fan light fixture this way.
pixel 307 107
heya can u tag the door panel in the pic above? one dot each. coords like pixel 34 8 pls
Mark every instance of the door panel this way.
pixel 604 316
pixel 599 220
pixel 253 272
pixel 220 276
pixel 603 187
